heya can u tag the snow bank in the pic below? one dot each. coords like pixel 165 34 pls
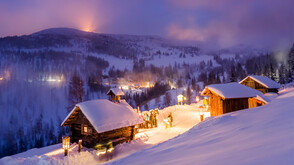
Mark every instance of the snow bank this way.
pixel 261 135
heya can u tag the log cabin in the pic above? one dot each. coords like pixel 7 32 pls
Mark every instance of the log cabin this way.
pixel 101 121
pixel 230 97
pixel 261 83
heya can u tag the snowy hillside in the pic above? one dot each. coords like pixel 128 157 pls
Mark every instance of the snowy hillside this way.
pixel 262 135
pixel 185 117
pixel 114 48
pixel 257 136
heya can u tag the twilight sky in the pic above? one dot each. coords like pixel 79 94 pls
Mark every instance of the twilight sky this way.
pixel 224 22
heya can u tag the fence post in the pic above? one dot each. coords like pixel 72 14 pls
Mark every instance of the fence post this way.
pixel 80 145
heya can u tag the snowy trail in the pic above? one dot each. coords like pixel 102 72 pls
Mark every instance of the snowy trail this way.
pixel 185 117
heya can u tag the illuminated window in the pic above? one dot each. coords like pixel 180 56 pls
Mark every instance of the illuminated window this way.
pixel 86 130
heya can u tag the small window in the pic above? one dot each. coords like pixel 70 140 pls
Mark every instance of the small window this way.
pixel 86 130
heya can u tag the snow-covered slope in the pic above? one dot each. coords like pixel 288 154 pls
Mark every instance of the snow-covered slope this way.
pixel 184 116
pixel 262 135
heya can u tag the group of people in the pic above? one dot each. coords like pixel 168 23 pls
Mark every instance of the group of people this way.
pixel 150 118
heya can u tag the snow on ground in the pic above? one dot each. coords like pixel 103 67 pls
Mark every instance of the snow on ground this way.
pixel 261 135
pixel 184 116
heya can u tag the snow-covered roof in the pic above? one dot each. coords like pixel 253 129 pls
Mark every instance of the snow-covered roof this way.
pixel 262 98
pixel 116 91
pixel 105 115
pixel 265 81
pixel 232 90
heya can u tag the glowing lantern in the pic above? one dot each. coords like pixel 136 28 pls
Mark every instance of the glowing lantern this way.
pixel 65 144
pixel 180 99
pixel 197 99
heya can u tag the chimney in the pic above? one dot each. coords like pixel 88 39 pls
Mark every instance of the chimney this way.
pixel 115 94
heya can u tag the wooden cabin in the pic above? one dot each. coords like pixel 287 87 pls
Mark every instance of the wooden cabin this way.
pixel 101 121
pixel 225 98
pixel 115 94
pixel 261 83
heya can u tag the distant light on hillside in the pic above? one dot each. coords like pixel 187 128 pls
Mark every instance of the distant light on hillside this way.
pixel 54 78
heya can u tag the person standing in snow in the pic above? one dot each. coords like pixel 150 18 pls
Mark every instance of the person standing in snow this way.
pixel 151 118
pixel 156 113
pixel 146 119
pixel 170 119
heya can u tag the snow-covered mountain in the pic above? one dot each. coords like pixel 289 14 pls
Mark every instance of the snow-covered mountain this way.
pixel 114 48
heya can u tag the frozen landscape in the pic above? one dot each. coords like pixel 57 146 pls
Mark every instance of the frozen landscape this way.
pixel 146 82
pixel 185 117
pixel 259 135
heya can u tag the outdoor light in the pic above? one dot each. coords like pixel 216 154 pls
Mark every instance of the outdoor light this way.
pixel 65 144
pixel 180 99
pixel 197 99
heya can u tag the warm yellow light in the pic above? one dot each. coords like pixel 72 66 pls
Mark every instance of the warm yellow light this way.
pixel 66 142
pixel 110 149
pixel 1 78
pixel 101 152
pixel 180 98
pixel 197 99
pixel 87 29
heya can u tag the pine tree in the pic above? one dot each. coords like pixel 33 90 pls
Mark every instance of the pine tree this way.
pixel 189 95
pixel 233 77
pixel 291 64
pixel 76 91
pixel 167 99
pixel 282 74
pixel 193 83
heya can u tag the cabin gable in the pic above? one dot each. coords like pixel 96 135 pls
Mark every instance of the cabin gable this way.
pixel 82 129
pixel 220 105
pixel 249 82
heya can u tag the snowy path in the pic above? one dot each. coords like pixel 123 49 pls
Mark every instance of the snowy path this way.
pixel 185 117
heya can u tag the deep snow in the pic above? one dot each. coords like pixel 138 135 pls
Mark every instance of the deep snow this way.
pixel 262 135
